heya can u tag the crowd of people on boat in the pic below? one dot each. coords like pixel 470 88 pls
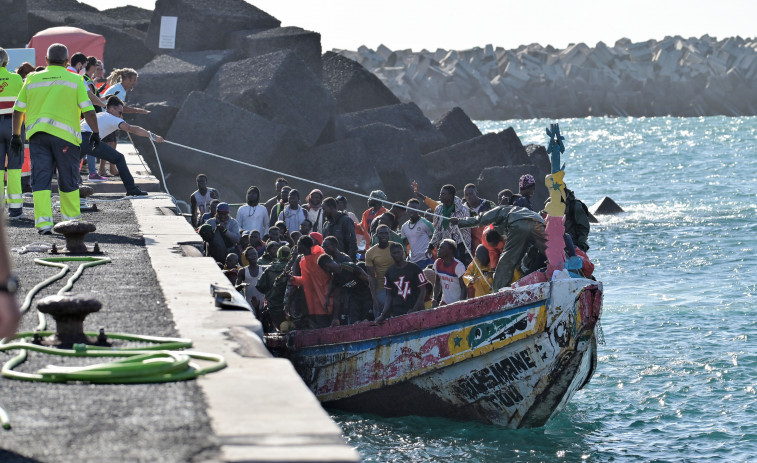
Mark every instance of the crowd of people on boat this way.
pixel 315 263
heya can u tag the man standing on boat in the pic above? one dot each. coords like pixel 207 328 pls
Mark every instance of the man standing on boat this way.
pixel 521 228
pixel 404 284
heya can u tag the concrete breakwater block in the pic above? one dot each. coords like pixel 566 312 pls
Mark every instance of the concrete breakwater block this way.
pixel 396 156
pixel 306 44
pixel 281 88
pixel 456 126
pixel 172 77
pixel 125 44
pixel 354 87
pixel 494 179
pixel 462 163
pixel 605 206
pixel 235 133
pixel 404 116
pixel 342 164
pixel 204 25
pixel 674 76
pixel 514 150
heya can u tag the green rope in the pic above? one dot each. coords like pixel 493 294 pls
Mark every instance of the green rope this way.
pixel 159 362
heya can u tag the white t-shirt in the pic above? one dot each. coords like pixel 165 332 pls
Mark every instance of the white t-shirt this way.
pixel 418 235
pixel 449 275
pixel 106 122
pixel 117 90
pixel 253 218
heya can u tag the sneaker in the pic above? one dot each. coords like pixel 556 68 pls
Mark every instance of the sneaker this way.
pixel 97 178
pixel 48 230
pixel 136 192
pixel 15 212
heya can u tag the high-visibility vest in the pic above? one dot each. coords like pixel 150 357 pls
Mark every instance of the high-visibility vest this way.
pixel 10 86
pixel 53 101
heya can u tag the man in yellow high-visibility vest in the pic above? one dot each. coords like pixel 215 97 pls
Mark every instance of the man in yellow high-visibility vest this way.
pixel 10 86
pixel 53 99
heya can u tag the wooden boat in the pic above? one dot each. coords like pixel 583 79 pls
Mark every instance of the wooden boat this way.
pixel 513 358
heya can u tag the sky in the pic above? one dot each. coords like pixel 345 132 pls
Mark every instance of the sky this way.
pixel 462 24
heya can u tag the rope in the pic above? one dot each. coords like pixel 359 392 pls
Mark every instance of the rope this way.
pixel 265 169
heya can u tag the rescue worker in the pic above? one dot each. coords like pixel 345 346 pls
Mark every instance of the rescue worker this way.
pixel 10 86
pixel 521 228
pixel 53 99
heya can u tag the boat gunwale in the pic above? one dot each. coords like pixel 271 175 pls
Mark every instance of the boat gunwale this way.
pixel 461 311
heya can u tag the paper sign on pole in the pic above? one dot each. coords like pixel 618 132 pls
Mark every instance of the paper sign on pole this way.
pixel 167 32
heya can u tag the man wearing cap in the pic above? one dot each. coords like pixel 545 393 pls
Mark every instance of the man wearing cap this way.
pixel 527 186
pixel 521 228
pixel 220 233
pixel 53 100
pixel 374 210
pixel 10 86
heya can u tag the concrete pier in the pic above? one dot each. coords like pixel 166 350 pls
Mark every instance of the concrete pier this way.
pixel 255 410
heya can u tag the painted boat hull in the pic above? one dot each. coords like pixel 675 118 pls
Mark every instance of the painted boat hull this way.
pixel 513 358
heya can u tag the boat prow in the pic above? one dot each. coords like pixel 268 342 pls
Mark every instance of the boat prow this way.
pixel 512 358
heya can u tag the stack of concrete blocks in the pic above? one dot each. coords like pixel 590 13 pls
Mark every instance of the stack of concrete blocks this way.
pixel 674 76
pixel 124 29
pixel 240 85
pixel 262 94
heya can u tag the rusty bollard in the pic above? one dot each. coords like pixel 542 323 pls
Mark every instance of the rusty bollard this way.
pixel 69 311
pixel 75 231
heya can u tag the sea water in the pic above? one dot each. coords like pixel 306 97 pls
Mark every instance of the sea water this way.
pixel 677 377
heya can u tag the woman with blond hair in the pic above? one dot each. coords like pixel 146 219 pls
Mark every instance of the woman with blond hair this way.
pixel 120 81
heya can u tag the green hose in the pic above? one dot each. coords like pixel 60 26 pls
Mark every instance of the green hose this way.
pixel 158 362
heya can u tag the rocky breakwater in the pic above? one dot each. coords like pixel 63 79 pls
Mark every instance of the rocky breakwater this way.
pixel 124 28
pixel 674 76
pixel 240 85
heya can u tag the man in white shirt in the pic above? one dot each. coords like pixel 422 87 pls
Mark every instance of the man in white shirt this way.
pixel 417 233
pixel 253 215
pixel 108 122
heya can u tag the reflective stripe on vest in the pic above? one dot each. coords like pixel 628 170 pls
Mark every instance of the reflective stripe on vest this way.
pixel 50 83
pixel 56 124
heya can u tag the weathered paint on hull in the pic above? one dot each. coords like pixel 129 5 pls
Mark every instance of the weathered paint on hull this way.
pixel 513 358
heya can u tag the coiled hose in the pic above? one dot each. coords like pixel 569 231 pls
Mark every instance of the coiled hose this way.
pixel 160 361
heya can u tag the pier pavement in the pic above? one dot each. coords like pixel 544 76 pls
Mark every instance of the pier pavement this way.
pixel 255 410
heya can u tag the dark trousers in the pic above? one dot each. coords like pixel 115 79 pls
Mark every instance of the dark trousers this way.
pixel 48 152
pixel 15 160
pixel 105 151
pixel 520 235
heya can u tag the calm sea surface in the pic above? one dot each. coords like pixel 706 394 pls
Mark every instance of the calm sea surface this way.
pixel 677 377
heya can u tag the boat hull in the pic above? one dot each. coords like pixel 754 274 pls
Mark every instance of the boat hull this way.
pixel 513 358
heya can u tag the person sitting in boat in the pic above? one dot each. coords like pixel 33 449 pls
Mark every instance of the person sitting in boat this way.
pixel 378 259
pixel 526 189
pixel 520 227
pixel 331 246
pixel 494 243
pixel 405 286
pixel 449 286
pixel 478 276
pixel 314 281
pixel 349 294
